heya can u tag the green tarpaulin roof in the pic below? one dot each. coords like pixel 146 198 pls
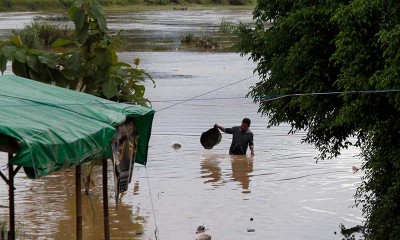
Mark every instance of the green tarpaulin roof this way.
pixel 58 128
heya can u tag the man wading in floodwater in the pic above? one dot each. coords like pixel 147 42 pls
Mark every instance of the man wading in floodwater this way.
pixel 242 137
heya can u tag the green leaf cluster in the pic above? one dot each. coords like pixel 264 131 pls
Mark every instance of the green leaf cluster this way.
pixel 86 62
pixel 304 46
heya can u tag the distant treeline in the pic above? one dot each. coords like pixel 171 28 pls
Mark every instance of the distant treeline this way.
pixel 51 4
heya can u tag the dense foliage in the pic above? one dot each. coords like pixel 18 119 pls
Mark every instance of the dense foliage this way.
pixel 304 46
pixel 87 62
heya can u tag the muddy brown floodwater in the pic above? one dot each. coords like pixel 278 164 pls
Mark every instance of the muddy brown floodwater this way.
pixel 282 188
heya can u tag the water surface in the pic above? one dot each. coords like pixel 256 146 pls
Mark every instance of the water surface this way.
pixel 282 188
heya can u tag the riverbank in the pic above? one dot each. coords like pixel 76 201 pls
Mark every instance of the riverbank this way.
pixel 57 6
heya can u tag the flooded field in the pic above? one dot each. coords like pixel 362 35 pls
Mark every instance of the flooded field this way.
pixel 148 30
pixel 282 188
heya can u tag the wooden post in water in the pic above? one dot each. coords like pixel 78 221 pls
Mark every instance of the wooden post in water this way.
pixel 78 190
pixel 11 233
pixel 105 202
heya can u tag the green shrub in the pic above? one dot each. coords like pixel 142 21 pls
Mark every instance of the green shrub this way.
pixel 6 4
pixel 65 3
pixel 226 27
pixel 128 2
pixel 158 2
pixel 188 39
pixel 239 2
pixel 41 35
pixel 222 2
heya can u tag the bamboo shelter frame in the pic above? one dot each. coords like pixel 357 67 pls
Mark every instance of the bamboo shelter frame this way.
pixel 56 128
pixel 12 148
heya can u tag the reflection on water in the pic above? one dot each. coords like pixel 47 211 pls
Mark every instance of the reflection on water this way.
pixel 211 170
pixel 241 167
pixel 45 209
pixel 125 223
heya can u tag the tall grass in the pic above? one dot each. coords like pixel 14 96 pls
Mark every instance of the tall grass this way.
pixel 223 37
pixel 225 27
pixel 40 35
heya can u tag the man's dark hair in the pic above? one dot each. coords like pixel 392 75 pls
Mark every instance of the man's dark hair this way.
pixel 246 120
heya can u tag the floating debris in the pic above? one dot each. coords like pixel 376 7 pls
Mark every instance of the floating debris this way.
pixel 176 146
pixel 251 229
pixel 203 236
pixel 355 169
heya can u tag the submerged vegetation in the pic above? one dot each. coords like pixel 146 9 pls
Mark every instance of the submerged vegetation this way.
pixel 44 35
pixel 225 27
pixel 223 37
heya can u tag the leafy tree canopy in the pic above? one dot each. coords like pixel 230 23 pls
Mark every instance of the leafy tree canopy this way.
pixel 321 46
pixel 86 62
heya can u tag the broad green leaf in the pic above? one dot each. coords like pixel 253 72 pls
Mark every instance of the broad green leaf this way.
pixel 78 17
pixel 122 64
pixel 58 78
pixel 139 90
pixel 16 40
pixel 61 43
pixel 109 89
pixel 34 52
pixel 99 15
pixel 33 62
pixel 20 55
pixel 101 76
pixel 103 57
pixel 50 59
pixel 73 63
pixel 3 64
pixel 69 74
pixel 150 78
pixel 72 11
pixel 82 34
pixel 8 52
pixel 20 69
pixel 35 76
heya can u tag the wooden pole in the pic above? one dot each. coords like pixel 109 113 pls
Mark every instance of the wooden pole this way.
pixel 78 189
pixel 11 234
pixel 105 202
